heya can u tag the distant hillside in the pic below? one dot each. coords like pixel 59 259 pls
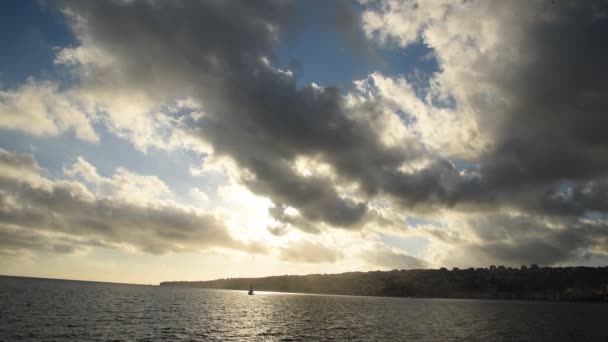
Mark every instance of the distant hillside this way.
pixel 536 283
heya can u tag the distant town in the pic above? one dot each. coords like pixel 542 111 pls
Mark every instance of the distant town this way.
pixel 495 282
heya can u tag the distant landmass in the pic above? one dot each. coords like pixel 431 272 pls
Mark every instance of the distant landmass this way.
pixel 525 283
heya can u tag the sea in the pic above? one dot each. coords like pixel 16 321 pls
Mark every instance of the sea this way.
pixel 62 310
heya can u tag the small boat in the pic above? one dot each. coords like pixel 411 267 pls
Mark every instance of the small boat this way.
pixel 250 290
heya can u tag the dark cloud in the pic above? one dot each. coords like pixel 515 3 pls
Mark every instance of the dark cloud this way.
pixel 516 240
pixel 551 149
pixel 554 129
pixel 342 16
pixel 16 241
pixel 254 114
pixel 549 137
pixel 549 140
pixel 285 220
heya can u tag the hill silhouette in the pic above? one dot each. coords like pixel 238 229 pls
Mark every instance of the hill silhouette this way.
pixel 525 283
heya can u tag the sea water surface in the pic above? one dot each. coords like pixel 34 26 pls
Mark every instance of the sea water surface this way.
pixel 59 310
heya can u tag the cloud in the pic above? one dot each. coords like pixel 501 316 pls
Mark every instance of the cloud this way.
pixel 518 98
pixel 256 116
pixel 246 100
pixel 529 82
pixel 384 257
pixel 129 187
pixel 447 132
pixel 342 17
pixel 16 241
pixel 519 94
pixel 310 252
pixel 518 239
pixel 46 212
pixel 40 108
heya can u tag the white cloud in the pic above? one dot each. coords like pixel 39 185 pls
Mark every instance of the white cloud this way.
pixel 199 196
pixel 449 132
pixel 477 59
pixel 41 108
pixel 124 184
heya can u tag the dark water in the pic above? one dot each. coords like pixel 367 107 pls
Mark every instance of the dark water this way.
pixel 45 310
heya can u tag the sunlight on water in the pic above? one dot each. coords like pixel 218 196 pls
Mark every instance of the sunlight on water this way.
pixel 37 310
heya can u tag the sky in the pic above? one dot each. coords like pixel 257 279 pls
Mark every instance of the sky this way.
pixel 148 140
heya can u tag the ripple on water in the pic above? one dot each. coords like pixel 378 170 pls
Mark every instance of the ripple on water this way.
pixel 40 310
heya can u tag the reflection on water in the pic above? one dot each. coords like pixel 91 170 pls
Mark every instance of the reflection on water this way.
pixel 36 310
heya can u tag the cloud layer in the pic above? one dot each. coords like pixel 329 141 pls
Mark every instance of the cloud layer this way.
pixel 64 215
pixel 528 81
pixel 503 144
